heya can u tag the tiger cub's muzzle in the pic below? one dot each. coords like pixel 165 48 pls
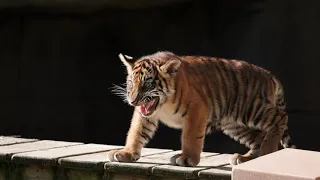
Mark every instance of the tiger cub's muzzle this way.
pixel 148 105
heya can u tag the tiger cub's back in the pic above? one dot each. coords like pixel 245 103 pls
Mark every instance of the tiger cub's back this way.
pixel 235 89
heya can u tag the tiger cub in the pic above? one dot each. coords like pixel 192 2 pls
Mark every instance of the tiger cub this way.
pixel 199 95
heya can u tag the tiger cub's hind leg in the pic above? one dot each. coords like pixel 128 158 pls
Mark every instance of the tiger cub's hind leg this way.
pixel 249 137
pixel 274 124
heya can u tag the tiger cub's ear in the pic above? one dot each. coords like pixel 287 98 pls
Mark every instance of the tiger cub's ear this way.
pixel 171 67
pixel 127 61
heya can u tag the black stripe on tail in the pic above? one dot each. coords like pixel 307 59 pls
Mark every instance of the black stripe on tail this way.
pixel 286 141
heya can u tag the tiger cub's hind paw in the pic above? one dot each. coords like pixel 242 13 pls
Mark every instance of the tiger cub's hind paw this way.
pixel 238 159
pixel 183 160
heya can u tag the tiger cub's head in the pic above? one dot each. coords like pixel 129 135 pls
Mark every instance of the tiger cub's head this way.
pixel 150 80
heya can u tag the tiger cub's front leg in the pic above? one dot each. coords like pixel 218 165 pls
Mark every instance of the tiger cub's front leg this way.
pixel 140 132
pixel 193 134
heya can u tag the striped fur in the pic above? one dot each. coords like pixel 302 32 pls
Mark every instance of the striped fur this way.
pixel 201 95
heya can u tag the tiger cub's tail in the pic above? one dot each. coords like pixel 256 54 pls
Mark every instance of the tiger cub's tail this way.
pixel 286 141
pixel 280 102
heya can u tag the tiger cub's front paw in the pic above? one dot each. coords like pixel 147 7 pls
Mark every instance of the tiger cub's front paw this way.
pixel 183 160
pixel 123 156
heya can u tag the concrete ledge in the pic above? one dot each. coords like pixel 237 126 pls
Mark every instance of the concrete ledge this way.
pixel 22 158
pixel 286 164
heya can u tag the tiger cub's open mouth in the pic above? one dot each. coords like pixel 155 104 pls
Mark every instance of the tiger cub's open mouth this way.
pixel 149 107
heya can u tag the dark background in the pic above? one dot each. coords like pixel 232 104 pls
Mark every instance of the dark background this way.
pixel 58 61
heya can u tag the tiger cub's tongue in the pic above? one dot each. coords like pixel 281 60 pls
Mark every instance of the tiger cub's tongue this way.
pixel 145 108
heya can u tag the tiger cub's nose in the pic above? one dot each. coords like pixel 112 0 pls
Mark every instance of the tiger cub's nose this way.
pixel 133 102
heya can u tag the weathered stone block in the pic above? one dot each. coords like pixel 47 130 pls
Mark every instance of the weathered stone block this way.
pixel 286 164
pixel 7 151
pixel 192 172
pixel 4 141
